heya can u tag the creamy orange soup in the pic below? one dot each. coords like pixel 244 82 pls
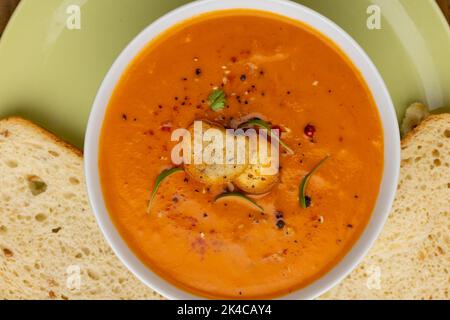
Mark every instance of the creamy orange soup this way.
pixel 278 70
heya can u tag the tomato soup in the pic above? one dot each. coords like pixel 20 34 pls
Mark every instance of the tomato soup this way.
pixel 262 66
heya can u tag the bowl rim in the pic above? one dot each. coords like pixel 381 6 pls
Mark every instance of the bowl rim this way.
pixel 315 21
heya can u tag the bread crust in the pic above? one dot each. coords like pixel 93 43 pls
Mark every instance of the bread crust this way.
pixel 428 121
pixel 45 133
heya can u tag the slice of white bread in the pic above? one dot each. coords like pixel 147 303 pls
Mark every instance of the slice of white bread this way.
pixel 411 259
pixel 50 245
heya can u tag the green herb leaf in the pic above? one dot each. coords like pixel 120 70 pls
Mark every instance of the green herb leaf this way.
pixel 217 100
pixel 239 196
pixel 162 176
pixel 305 182
pixel 262 124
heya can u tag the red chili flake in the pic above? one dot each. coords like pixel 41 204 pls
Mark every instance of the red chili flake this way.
pixel 310 131
pixel 167 126
pixel 200 246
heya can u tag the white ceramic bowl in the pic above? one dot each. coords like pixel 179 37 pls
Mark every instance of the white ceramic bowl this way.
pixel 291 10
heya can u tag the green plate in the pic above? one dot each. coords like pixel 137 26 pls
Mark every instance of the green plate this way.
pixel 50 74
